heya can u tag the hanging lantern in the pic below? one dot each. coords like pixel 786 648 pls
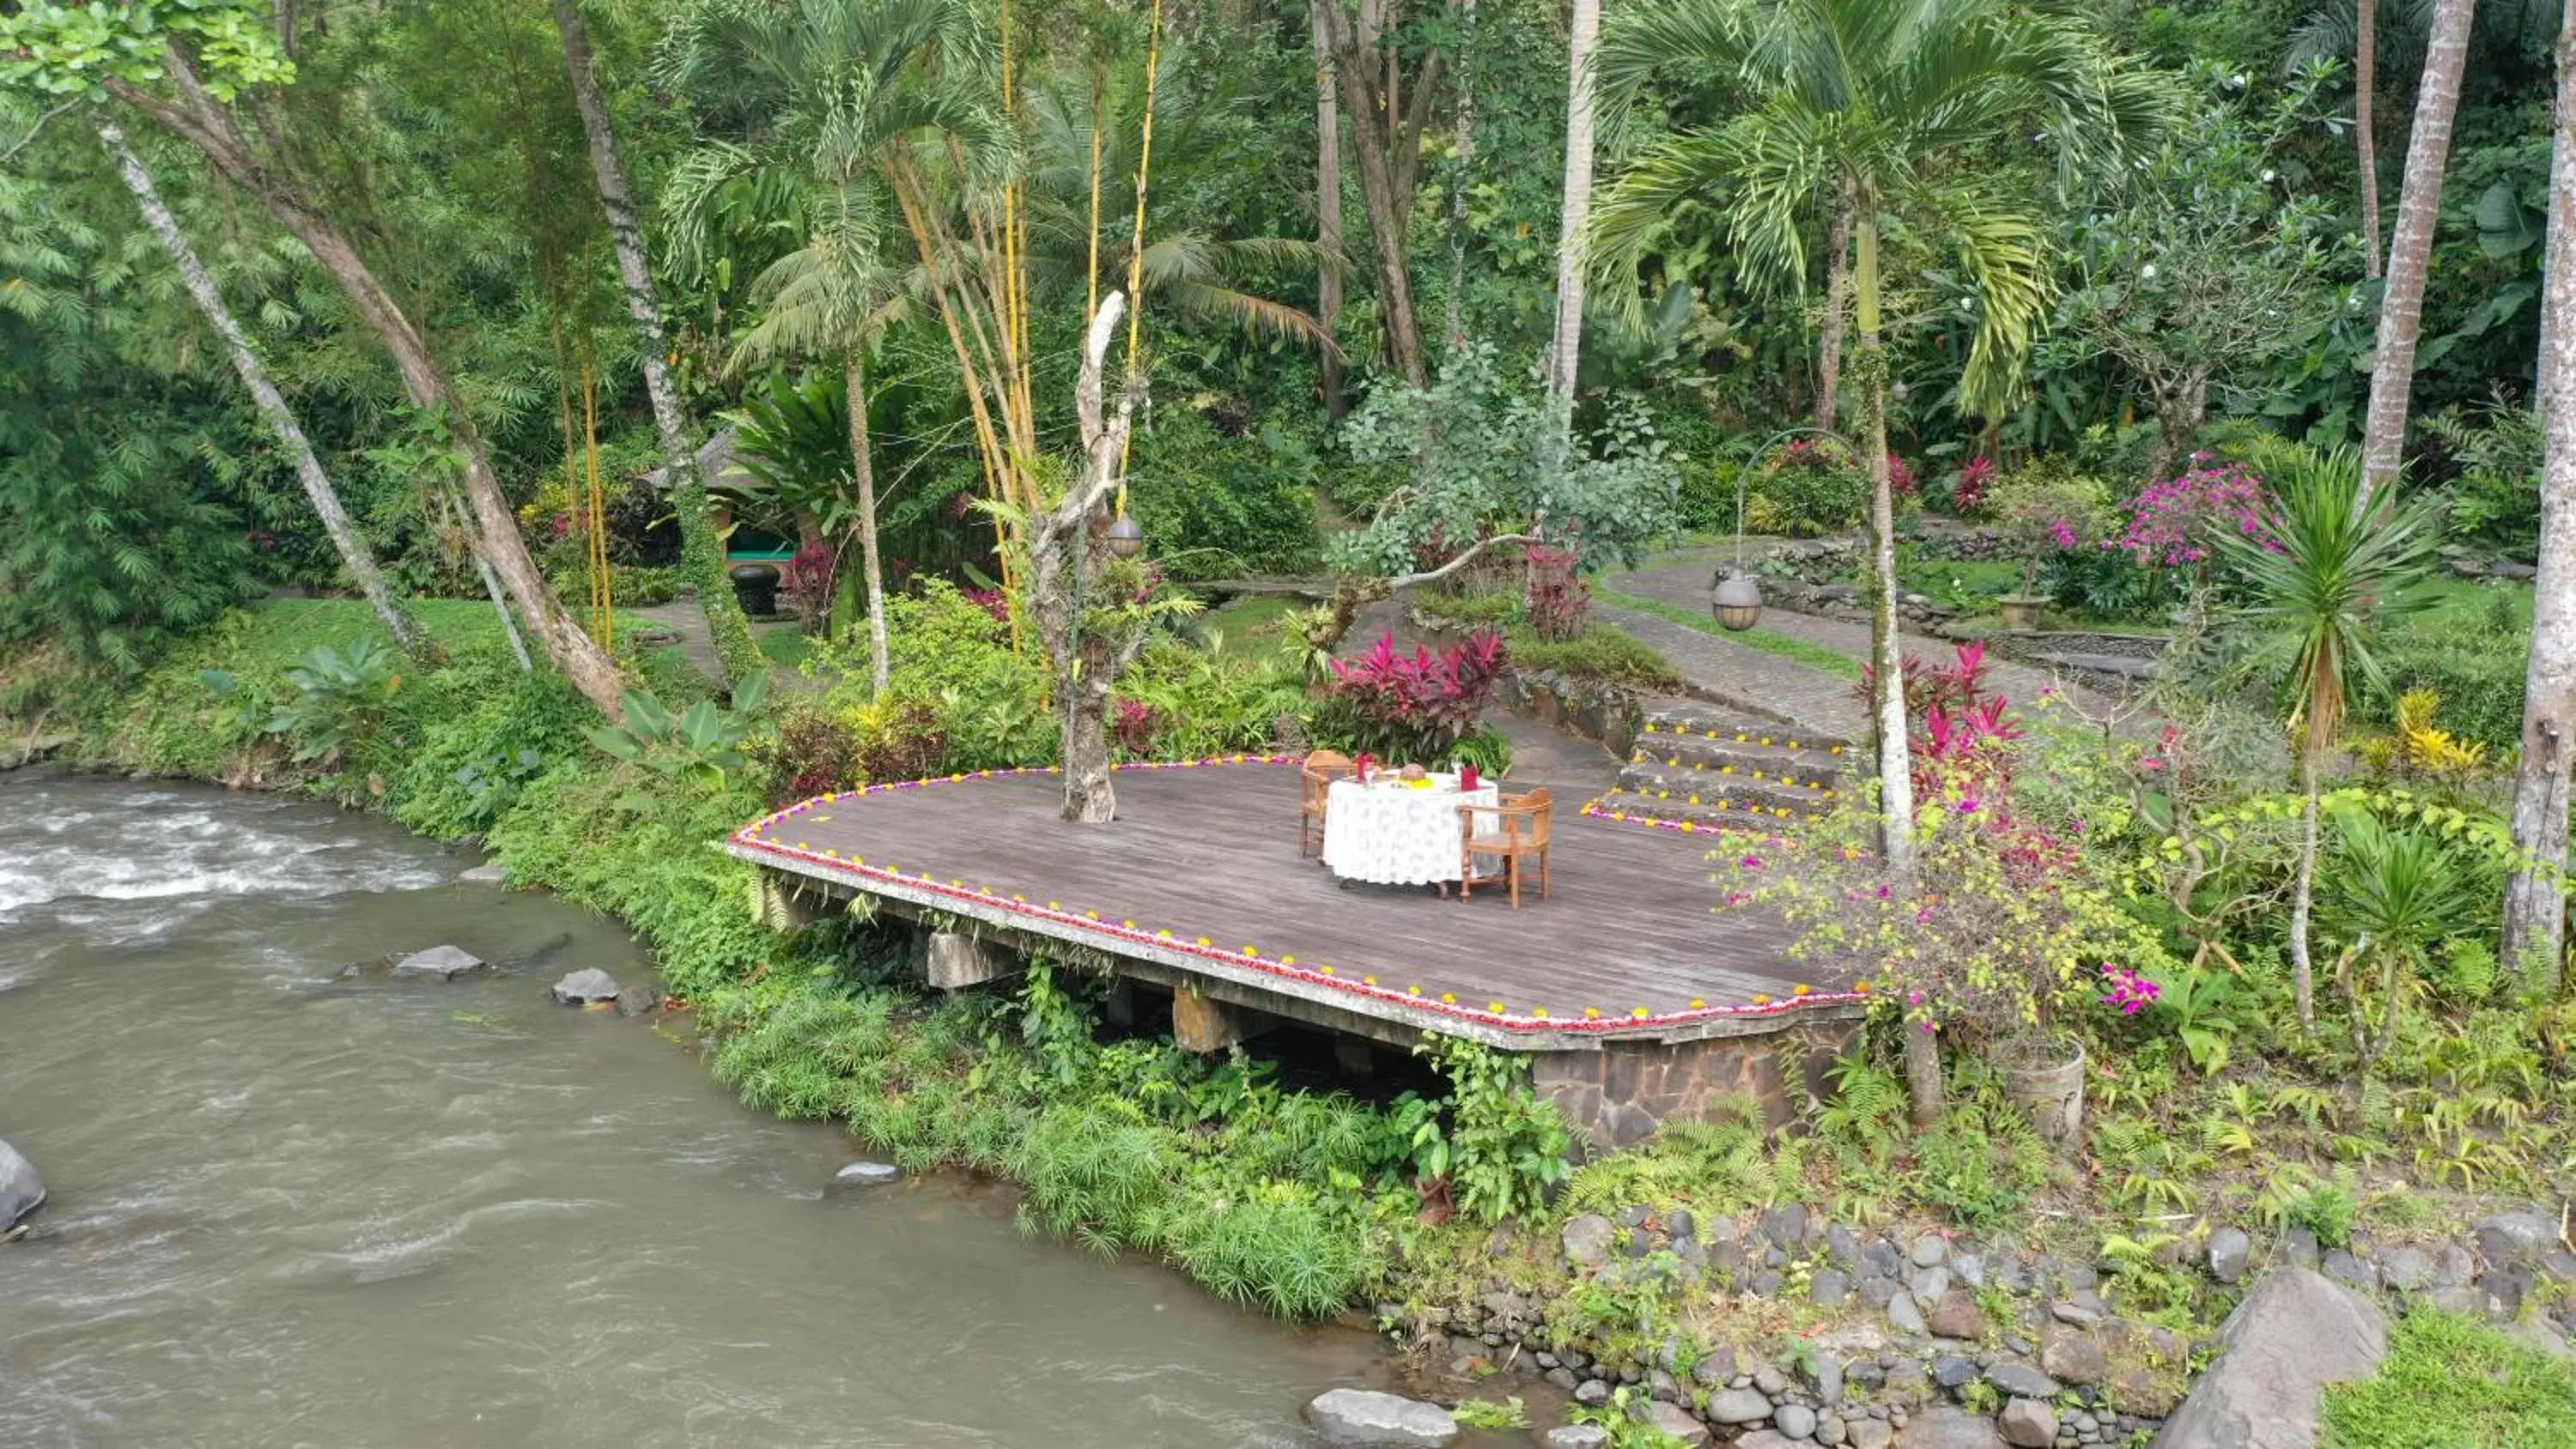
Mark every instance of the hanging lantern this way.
pixel 1126 540
pixel 1736 601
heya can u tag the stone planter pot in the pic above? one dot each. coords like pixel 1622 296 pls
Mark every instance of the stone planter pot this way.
pixel 2047 1085
pixel 2021 611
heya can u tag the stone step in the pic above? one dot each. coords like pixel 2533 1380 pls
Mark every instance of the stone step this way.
pixel 1763 792
pixel 1682 714
pixel 1683 754
pixel 1706 816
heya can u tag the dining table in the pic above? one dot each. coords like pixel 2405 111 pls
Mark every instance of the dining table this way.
pixel 1388 830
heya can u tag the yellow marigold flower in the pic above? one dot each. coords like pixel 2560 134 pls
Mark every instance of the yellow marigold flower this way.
pixel 1449 997
pixel 1368 981
pixel 1204 941
pixel 1248 951
pixel 1592 1013
pixel 1495 1007
pixel 1697 1004
pixel 1413 991
pixel 1327 970
pixel 1539 1011
pixel 1760 1000
pixel 1803 989
pixel 1640 1013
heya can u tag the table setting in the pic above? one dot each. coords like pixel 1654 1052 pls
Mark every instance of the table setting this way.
pixel 1401 827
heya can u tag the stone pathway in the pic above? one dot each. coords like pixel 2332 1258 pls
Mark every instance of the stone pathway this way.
pixel 1813 698
pixel 697 643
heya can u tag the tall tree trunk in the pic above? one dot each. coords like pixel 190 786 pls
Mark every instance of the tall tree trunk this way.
pixel 2410 249
pixel 2303 890
pixel 2365 84
pixel 855 371
pixel 1829 341
pixel 1565 349
pixel 1086 669
pixel 206 124
pixel 701 551
pixel 1887 662
pixel 1387 142
pixel 1328 203
pixel 2535 908
pixel 280 418
pixel 1456 334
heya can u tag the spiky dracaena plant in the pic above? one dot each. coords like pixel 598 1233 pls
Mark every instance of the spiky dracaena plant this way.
pixel 2326 567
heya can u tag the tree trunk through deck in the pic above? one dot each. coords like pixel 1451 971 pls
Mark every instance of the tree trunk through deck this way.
pixel 205 123
pixel 354 555
pixel 2410 250
pixel 1565 350
pixel 1086 667
pixel 2535 910
pixel 701 551
pixel 855 372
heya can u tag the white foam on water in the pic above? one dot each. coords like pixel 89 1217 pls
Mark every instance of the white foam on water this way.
pixel 160 844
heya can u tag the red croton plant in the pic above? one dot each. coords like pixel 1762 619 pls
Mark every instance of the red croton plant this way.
pixel 1420 702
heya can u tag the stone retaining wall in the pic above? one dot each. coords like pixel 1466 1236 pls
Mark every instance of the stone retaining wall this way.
pixel 1620 1094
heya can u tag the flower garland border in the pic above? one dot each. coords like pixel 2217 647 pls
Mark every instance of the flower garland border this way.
pixel 747 841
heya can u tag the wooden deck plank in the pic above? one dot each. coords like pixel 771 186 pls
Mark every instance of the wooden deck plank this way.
pixel 1210 852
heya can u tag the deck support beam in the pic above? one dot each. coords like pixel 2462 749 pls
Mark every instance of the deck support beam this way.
pixel 1202 1024
pixel 957 960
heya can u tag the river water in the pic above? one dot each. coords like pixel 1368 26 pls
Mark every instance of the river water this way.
pixel 288 1211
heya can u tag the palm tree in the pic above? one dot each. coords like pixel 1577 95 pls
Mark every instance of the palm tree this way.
pixel 701 551
pixel 1868 103
pixel 1189 271
pixel 2535 909
pixel 2328 564
pixel 2410 247
pixel 835 93
pixel 352 549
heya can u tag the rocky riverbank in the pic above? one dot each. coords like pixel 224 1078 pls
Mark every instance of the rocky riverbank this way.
pixel 1784 1328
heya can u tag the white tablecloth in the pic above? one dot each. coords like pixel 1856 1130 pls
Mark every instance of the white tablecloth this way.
pixel 1389 833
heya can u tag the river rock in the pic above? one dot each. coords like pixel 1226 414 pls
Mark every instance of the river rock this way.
pixel 21 1190
pixel 2516 1237
pixel 1796 1421
pixel 1361 1417
pixel 2028 1424
pixel 2072 1355
pixel 1904 1314
pixel 445 963
pixel 1958 1314
pixel 2295 1333
pixel 583 987
pixel 2230 1249
pixel 1588 1239
pixel 638 1000
pixel 1575 1436
pixel 1739 1406
pixel 483 875
pixel 1948 1428
pixel 2020 1380
pixel 861 1175
pixel 1930 1251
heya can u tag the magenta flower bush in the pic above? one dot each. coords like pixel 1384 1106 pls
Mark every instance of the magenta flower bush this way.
pixel 2169 525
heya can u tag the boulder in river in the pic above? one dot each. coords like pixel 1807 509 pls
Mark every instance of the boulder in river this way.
pixel 861 1175
pixel 2296 1332
pixel 21 1190
pixel 444 963
pixel 585 986
pixel 1359 1417
pixel 483 875
pixel 638 1000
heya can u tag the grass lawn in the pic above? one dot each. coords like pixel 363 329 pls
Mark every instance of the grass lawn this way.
pixel 785 647
pixel 1251 626
pixel 2455 1383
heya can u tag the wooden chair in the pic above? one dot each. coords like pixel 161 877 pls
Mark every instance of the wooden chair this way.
pixel 1514 831
pixel 1315 781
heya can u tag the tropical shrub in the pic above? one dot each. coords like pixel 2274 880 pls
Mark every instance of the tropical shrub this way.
pixel 1806 488
pixel 701 745
pixel 335 699
pixel 1408 709
pixel 815 752
pixel 1219 506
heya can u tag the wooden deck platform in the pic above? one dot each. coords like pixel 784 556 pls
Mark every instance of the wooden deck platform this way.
pixel 1199 885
